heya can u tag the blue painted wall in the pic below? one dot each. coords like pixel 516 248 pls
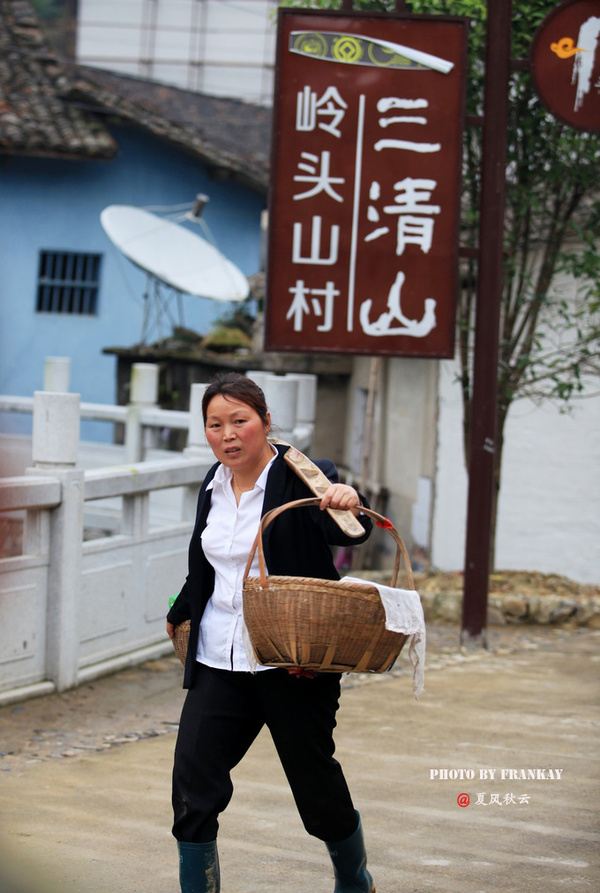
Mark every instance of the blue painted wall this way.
pixel 50 204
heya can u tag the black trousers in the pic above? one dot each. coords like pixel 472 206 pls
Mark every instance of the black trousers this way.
pixel 222 715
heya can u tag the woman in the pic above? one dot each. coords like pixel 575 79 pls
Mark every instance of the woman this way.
pixel 229 701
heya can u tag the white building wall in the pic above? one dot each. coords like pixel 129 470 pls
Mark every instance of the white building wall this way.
pixel 217 47
pixel 450 494
pixel 401 456
pixel 550 494
pixel 549 510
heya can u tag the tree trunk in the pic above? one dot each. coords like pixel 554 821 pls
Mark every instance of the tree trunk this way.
pixel 500 422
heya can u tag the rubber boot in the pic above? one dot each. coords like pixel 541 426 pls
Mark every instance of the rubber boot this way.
pixel 350 864
pixel 199 867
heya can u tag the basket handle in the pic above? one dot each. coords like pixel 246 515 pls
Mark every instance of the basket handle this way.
pixel 380 520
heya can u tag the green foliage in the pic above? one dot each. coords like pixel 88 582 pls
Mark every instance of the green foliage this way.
pixel 239 317
pixel 361 5
pixel 48 10
pixel 226 339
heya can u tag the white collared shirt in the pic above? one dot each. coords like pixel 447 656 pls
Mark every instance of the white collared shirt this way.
pixel 227 540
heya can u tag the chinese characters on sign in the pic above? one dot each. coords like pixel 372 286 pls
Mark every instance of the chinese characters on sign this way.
pixel 363 223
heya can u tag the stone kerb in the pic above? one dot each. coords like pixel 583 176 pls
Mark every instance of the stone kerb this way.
pixel 545 610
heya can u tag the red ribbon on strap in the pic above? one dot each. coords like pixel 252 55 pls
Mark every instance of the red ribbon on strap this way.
pixel 386 524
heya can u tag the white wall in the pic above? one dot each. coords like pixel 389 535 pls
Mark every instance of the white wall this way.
pixel 549 511
pixel 218 47
pixel 402 454
pixel 450 494
pixel 550 495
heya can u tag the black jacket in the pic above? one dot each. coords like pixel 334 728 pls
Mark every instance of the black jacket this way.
pixel 297 543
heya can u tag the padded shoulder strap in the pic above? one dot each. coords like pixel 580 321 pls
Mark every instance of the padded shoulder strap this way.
pixel 318 483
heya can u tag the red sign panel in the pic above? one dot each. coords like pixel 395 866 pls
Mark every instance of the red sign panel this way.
pixel 364 213
pixel 565 63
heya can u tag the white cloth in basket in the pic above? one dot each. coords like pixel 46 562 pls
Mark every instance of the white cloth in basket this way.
pixel 404 614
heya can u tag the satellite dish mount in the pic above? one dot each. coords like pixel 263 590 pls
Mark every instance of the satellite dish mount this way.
pixel 176 261
pixel 158 301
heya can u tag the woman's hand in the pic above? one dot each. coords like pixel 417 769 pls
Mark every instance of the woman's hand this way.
pixel 170 630
pixel 341 496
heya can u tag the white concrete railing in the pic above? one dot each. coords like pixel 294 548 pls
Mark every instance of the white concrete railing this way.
pixel 291 399
pixel 73 609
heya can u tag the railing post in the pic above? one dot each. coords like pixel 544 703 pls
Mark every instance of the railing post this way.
pixel 281 393
pixel 196 446
pixel 57 374
pixel 143 392
pixel 196 440
pixel 291 398
pixel 306 406
pixel 307 397
pixel 259 377
pixel 55 445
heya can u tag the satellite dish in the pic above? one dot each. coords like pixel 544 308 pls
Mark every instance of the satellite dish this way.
pixel 172 254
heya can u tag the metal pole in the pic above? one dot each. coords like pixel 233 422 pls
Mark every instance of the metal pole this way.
pixel 367 447
pixel 489 293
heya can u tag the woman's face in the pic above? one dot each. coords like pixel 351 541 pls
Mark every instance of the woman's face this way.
pixel 236 434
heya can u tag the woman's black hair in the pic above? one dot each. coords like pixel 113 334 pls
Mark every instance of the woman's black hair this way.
pixel 236 387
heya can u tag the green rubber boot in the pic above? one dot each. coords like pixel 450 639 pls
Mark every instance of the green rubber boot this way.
pixel 350 864
pixel 199 867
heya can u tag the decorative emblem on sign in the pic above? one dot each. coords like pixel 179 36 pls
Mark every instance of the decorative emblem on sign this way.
pixel 353 49
pixel 564 48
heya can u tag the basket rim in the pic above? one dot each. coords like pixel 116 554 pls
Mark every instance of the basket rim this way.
pixel 275 581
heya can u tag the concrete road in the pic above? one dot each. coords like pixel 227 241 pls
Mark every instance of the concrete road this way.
pixel 85 787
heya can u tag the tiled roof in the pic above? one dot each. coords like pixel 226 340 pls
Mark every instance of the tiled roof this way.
pixel 225 133
pixel 33 119
pixel 53 107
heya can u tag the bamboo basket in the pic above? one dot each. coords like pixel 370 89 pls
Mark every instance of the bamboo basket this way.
pixel 180 640
pixel 324 625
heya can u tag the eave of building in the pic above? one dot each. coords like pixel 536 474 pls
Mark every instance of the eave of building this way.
pixel 229 136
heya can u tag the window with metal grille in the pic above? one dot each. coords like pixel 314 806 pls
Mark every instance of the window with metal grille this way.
pixel 68 282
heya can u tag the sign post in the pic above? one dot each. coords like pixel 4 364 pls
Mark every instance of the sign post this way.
pixel 480 500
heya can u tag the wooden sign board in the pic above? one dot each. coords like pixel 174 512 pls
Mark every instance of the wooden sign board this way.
pixel 366 173
pixel 565 63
